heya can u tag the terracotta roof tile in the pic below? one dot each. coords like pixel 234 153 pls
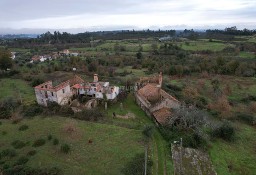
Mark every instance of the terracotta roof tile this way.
pixel 162 115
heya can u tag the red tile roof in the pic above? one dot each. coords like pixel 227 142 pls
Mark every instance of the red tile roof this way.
pixel 162 115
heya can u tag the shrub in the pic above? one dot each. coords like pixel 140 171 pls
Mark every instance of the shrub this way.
pixel 32 111
pixel 8 153
pixel 38 142
pixel 247 118
pixel 23 127
pixel 225 131
pixel 89 115
pixel 4 133
pixel 31 153
pixel 66 111
pixel 36 82
pixel 55 141
pixel 136 166
pixel 49 137
pixel 22 160
pixel 0 123
pixel 17 144
pixel 65 148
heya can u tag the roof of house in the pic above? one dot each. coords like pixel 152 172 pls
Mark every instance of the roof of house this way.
pixel 150 92
pixel 162 115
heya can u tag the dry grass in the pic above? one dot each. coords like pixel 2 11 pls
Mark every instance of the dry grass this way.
pixel 71 130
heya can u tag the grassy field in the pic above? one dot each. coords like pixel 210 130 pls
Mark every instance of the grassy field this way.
pixel 239 157
pixel 247 55
pixel 16 88
pixel 203 45
pixel 111 149
pixel 162 163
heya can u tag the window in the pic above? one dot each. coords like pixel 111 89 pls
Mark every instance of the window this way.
pixel 52 93
pixel 63 90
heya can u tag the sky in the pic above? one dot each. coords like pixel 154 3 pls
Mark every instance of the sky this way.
pixel 35 16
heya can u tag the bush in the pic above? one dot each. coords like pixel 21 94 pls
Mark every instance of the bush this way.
pixel 23 127
pixel 31 153
pixel 32 111
pixel 8 153
pixel 4 133
pixel 89 115
pixel 55 141
pixel 36 82
pixel 66 111
pixel 22 160
pixel 0 123
pixel 65 148
pixel 247 118
pixel 38 142
pixel 17 144
pixel 225 131
pixel 136 166
pixel 49 137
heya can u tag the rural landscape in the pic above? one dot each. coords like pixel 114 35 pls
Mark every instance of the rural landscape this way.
pixel 213 80
pixel 122 96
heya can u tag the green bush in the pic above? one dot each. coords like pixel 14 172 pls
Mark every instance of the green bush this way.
pixel 39 142
pixel 247 118
pixel 55 141
pixel 66 111
pixel 22 160
pixel 23 127
pixel 31 153
pixel 65 148
pixel 225 131
pixel 32 110
pixel 0 123
pixel 8 153
pixel 136 166
pixel 4 133
pixel 49 137
pixel 90 115
pixel 17 144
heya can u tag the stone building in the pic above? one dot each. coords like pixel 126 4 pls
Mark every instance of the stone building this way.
pixel 157 103
pixel 60 93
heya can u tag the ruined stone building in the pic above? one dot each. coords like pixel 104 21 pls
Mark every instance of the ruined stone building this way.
pixel 63 92
pixel 153 100
pixel 97 89
pixel 60 93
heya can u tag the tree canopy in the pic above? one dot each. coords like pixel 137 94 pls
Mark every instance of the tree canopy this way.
pixel 5 59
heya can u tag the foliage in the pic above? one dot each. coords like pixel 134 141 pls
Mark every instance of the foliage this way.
pixel 5 59
pixel 55 141
pixel 136 166
pixel 8 153
pixel 22 160
pixel 49 137
pixel 65 148
pixel 32 110
pixel 7 106
pixel 38 142
pixel 23 127
pixel 90 115
pixel 225 131
pixel 17 144
pixel 247 118
pixel 31 153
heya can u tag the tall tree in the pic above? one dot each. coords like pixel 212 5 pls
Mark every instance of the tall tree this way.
pixel 5 59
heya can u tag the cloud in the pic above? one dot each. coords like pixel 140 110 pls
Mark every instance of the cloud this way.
pixel 89 14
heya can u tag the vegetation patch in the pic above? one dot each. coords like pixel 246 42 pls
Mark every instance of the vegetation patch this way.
pixel 39 142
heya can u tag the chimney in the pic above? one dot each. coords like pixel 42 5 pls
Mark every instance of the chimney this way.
pixel 160 79
pixel 95 78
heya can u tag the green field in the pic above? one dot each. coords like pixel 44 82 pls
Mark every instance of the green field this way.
pixel 111 149
pixel 204 45
pixel 16 88
pixel 247 55
pixel 239 157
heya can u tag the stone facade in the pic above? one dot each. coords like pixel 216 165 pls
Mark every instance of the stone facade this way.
pixel 154 101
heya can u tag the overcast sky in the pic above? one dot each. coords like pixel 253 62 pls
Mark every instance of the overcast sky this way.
pixel 93 15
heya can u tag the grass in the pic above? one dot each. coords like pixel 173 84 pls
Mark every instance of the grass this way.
pixel 236 158
pixel 203 45
pixel 250 55
pixel 16 88
pixel 161 161
pixel 111 149
pixel 134 72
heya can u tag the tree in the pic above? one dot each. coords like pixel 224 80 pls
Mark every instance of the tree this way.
pixel 5 59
